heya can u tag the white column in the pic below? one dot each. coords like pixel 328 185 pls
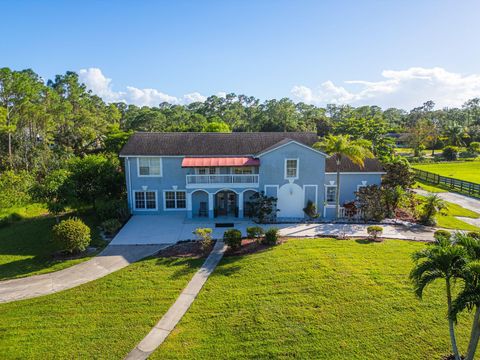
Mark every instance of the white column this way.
pixel 210 205
pixel 240 205
pixel 189 205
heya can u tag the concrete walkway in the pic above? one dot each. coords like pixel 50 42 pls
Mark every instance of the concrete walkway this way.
pixel 168 322
pixel 111 259
pixel 161 229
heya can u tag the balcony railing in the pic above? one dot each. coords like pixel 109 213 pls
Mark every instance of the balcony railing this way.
pixel 243 180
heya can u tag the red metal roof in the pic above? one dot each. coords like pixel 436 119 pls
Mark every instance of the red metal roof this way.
pixel 219 161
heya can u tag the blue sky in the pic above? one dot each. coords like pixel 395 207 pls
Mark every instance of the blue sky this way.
pixel 401 52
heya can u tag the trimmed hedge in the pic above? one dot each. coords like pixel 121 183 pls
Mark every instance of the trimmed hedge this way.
pixel 271 236
pixel 255 232
pixel 233 238
pixel 72 235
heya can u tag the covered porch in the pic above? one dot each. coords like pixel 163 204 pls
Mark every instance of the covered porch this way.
pixel 223 203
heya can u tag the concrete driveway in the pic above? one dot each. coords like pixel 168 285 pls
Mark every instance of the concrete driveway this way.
pixel 111 259
pixel 153 229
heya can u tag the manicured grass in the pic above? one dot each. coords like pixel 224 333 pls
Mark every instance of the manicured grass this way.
pixel 467 170
pixel 103 319
pixel 450 221
pixel 315 299
pixel 26 247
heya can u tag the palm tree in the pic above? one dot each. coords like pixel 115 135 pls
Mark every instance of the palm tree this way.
pixel 441 260
pixel 469 297
pixel 342 146
pixel 455 134
pixel 432 206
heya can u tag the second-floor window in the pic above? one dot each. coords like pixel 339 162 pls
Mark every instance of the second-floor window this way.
pixel 206 171
pixel 149 166
pixel 291 168
pixel 243 170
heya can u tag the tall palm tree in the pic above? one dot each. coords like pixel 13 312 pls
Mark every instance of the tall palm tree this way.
pixel 469 297
pixel 440 260
pixel 342 146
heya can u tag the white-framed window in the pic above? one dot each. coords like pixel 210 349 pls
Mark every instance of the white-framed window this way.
pixel 206 171
pixel 145 200
pixel 330 194
pixel 149 166
pixel 291 168
pixel 243 170
pixel 175 200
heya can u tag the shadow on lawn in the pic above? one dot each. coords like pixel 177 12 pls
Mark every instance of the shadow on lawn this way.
pixel 185 265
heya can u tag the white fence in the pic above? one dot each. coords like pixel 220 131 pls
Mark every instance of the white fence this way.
pixel 243 179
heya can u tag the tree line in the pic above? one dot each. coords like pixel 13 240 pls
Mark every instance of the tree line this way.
pixel 44 123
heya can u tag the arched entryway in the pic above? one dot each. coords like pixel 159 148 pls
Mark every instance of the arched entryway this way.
pixel 226 203
pixel 200 203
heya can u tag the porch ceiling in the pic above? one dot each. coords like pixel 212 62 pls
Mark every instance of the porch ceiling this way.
pixel 219 161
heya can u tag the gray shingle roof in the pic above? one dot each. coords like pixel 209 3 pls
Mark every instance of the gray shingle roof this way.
pixel 209 144
pixel 228 144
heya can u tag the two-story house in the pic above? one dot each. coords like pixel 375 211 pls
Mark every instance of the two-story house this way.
pixel 215 174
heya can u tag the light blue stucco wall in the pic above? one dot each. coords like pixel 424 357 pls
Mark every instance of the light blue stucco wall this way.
pixel 311 171
pixel 271 173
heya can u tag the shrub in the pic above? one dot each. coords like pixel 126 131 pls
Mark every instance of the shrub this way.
pixel 111 226
pixel 255 232
pixel 399 173
pixel 432 206
pixel 442 234
pixel 371 201
pixel 233 238
pixel 271 236
pixel 474 234
pixel 205 237
pixel 450 152
pixel 311 210
pixel 467 154
pixel 474 147
pixel 374 231
pixel 72 235
pixel 112 209
pixel 264 208
pixel 14 188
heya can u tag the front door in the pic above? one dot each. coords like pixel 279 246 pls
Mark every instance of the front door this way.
pixel 226 203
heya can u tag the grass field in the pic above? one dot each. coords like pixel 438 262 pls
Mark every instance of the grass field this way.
pixel 449 221
pixel 26 247
pixel 103 319
pixel 315 299
pixel 467 170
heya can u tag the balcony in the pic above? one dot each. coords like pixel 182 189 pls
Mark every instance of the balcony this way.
pixel 227 180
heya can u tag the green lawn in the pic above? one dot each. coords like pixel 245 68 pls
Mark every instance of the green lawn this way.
pixel 315 299
pixel 428 187
pixel 103 319
pixel 467 170
pixel 449 221
pixel 26 247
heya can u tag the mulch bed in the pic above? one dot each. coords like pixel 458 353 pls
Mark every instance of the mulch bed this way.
pixel 186 249
pixel 251 246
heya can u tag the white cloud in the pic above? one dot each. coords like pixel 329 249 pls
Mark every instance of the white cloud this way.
pixel 100 85
pixel 404 89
